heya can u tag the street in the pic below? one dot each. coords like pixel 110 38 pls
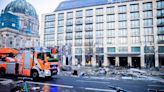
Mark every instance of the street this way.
pixel 77 84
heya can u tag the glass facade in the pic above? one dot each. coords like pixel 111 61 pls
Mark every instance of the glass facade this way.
pixel 111 49
pixel 135 49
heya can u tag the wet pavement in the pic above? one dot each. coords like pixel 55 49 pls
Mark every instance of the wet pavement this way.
pixel 81 84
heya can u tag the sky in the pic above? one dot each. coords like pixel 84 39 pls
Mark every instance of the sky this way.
pixel 41 6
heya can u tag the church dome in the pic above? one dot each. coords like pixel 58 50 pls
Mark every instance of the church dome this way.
pixel 21 6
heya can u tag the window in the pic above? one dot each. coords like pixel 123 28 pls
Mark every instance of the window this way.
pixel 89 20
pixel 79 14
pixel 149 39
pixel 49 31
pixel 123 40
pixel 135 15
pixel 89 34
pixel 78 42
pixel 50 17
pixel 160 21
pixel 122 8
pixel 60 16
pixel 99 33
pixel 111 40
pixel 148 22
pixel 135 32
pixel 160 4
pixel 160 39
pixel 111 25
pixel 69 22
pixel 69 42
pixel 134 7
pixel 79 21
pixel 122 16
pixel 148 49
pixel 122 32
pixel 99 50
pixel 148 14
pixel 160 13
pixel 69 15
pixel 135 40
pixel 99 19
pixel 78 51
pixel 99 41
pixel 110 10
pixel 88 42
pixel 69 29
pixel 110 33
pixel 135 49
pixel 88 27
pixel 89 12
pixel 123 49
pixel 148 31
pixel 161 49
pixel 147 6
pixel 60 36
pixel 123 24
pixel 160 30
pixel 111 49
pixel 99 26
pixel 88 50
pixel 135 24
pixel 60 23
pixel 99 11
pixel 110 18
pixel 60 29
pixel 78 35
pixel 49 37
pixel 69 36
pixel 49 24
pixel 79 28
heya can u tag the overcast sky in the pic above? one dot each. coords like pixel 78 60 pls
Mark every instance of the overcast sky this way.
pixel 41 6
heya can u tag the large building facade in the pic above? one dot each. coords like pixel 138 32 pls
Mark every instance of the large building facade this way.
pixel 108 32
pixel 19 25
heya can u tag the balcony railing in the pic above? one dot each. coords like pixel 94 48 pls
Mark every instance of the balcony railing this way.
pixel 160 15
pixel 160 41
pixel 161 32
pixel 160 24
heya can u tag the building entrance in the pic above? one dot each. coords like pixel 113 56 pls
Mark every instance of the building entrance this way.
pixel 136 62
pixel 111 60
pixel 123 61
pixel 161 61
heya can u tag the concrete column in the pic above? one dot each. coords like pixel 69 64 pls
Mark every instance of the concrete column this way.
pixel 74 62
pixel 130 61
pixel 64 60
pixel 94 60
pixel 117 61
pixel 142 61
pixel 83 60
pixel 106 63
pixel 94 57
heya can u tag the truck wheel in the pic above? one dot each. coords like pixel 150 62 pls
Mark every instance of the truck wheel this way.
pixel 2 72
pixel 35 75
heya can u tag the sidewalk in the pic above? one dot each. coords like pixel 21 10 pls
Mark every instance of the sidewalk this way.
pixel 116 73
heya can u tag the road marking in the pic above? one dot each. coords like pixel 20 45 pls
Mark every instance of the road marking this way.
pixel 96 89
pixel 156 86
pixel 49 84
pixel 92 81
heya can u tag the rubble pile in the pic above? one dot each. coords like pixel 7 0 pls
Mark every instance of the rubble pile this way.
pixel 117 73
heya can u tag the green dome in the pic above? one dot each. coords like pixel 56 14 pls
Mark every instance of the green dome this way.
pixel 21 6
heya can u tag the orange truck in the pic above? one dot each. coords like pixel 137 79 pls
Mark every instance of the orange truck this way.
pixel 31 62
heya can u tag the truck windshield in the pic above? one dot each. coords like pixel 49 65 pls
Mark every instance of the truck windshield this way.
pixel 51 58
